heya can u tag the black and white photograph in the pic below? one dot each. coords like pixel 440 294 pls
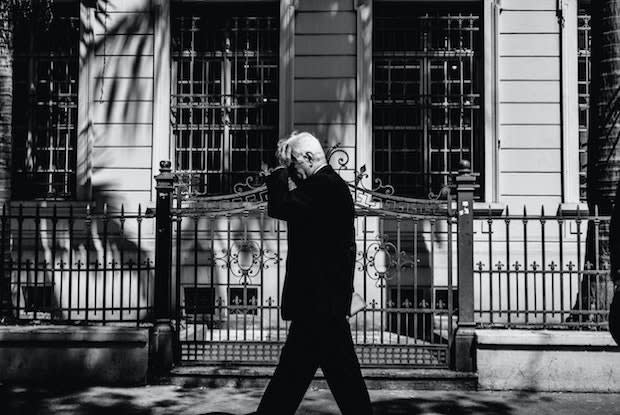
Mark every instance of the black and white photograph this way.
pixel 310 207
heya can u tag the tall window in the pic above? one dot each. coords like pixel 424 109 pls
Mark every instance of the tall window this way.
pixel 584 37
pixel 426 95
pixel 225 103
pixel 45 98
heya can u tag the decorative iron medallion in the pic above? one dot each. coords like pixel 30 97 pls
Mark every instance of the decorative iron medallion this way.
pixel 246 260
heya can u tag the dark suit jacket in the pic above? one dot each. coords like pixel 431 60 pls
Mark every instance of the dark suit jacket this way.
pixel 321 243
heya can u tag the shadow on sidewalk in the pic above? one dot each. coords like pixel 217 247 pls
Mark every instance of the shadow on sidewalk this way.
pixel 449 404
pixel 27 401
pixel 156 400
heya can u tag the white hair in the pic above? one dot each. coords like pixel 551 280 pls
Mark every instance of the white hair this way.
pixel 304 142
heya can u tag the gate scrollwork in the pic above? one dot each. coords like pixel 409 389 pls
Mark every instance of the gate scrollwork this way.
pixel 246 259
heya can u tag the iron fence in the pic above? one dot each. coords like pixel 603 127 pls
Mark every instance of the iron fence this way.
pixel 423 267
pixel 537 270
pixel 69 264
pixel 229 267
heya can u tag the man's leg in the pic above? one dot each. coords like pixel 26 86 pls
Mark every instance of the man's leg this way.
pixel 295 370
pixel 342 370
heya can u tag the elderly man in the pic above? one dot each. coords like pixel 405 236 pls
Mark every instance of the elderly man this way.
pixel 319 280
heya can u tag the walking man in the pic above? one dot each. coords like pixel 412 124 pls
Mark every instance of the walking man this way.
pixel 319 280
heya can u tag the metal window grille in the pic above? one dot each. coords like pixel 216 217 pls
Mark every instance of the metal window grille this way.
pixel 45 107
pixel 426 96
pixel 584 38
pixel 225 103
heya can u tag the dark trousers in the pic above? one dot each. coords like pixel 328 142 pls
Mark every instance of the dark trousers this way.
pixel 325 343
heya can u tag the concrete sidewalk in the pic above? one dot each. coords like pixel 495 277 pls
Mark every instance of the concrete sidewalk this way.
pixel 172 399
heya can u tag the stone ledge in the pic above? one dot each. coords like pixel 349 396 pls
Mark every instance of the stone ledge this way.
pixel 376 378
pixel 259 371
pixel 65 355
pixel 488 338
pixel 72 334
pixel 551 361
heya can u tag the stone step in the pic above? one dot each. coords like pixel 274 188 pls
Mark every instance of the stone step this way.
pixel 212 376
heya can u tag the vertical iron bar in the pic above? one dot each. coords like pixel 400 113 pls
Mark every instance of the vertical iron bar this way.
pixel 278 278
pixel 399 278
pixel 5 275
pixel 579 270
pixel 508 301
pixel 415 279
pixel 179 313
pixel 597 225
pixel 37 247
pixel 212 280
pixel 161 309
pixel 53 265
pixel 450 277
pixel 95 296
pixel 228 300
pixel 561 272
pixel 525 267
pixel 433 299
pixel 259 301
pixel 364 274
pixel 87 228
pixel 122 263
pixel 544 264
pixel 177 263
pixel 245 219
pixel 382 289
pixel 490 239
pixel 70 289
pixel 195 218
pixel 105 262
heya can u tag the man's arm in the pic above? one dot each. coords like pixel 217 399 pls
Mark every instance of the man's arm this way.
pixel 286 204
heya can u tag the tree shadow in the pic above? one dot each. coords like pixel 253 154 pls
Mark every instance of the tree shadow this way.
pixel 449 404
pixel 92 259
pixel 452 406
pixel 27 401
pixel 171 399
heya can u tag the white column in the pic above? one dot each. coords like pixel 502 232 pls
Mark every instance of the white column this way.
pixel 363 142
pixel 570 104
pixel 163 147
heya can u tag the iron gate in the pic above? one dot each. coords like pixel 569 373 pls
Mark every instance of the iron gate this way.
pixel 229 266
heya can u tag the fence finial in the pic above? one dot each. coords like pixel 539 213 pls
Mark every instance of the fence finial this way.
pixel 165 166
pixel 464 167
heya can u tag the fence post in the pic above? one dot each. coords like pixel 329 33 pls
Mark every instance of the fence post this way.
pixel 464 337
pixel 163 336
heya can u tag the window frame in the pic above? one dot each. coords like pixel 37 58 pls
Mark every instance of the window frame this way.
pixel 579 5
pixel 285 73
pixel 76 191
pixel 489 12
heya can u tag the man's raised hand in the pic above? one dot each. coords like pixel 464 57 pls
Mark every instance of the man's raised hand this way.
pixel 283 153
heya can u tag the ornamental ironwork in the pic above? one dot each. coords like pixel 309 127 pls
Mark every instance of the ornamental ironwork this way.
pixel 245 260
pixel 251 194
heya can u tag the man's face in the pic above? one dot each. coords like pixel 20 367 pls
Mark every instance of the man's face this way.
pixel 300 166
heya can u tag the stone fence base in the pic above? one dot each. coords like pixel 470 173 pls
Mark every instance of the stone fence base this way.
pixel 59 355
pixel 545 360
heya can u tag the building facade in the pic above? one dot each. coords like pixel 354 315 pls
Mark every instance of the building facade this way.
pixel 402 91
pixel 408 89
